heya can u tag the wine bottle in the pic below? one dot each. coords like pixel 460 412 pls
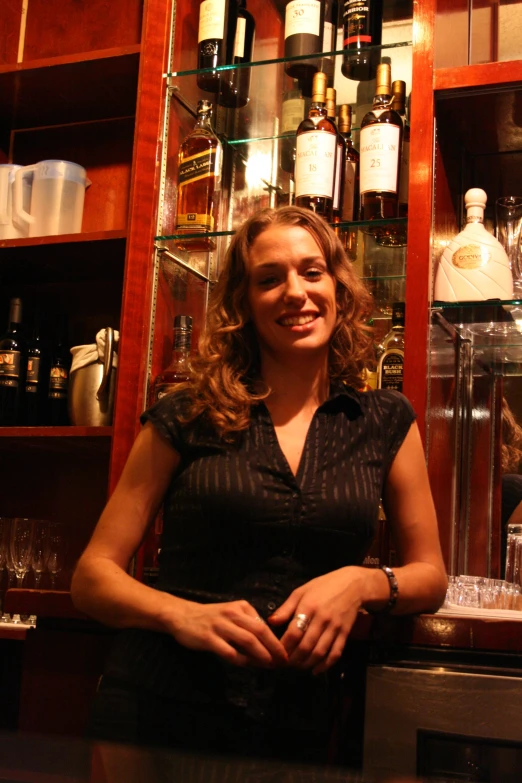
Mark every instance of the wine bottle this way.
pixel 391 362
pixel 362 30
pixel 199 183
pixel 57 390
pixel 316 153
pixel 216 31
pixel 294 109
pixel 399 104
pixel 235 84
pixel 33 397
pixel 331 96
pixel 178 370
pixel 350 202
pixel 380 153
pixel 12 366
pixel 327 64
pixel 304 23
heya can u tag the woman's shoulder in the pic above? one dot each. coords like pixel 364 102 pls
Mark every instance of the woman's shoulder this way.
pixel 382 402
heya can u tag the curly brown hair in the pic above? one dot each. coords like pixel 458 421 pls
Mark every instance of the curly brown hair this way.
pixel 222 384
pixel 511 440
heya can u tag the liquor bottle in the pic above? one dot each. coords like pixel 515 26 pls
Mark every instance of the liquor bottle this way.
pixel 216 31
pixel 235 84
pixel 331 97
pixel 178 370
pixel 327 64
pixel 474 265
pixel 380 153
pixel 294 109
pixel 304 23
pixel 391 362
pixel 399 104
pixel 57 413
pixel 316 153
pixel 362 30
pixel 33 397
pixel 350 202
pixel 199 183
pixel 12 366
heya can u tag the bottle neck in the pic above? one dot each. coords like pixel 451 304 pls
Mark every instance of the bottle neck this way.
pixel 182 341
pixel 319 107
pixel 203 121
pixel 473 218
pixel 381 101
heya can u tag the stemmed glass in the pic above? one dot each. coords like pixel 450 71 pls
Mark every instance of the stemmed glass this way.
pixel 5 529
pixel 57 551
pixel 21 547
pixel 40 550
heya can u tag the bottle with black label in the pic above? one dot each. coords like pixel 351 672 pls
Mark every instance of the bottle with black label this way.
pixel 199 183
pixel 57 413
pixel 178 370
pixel 304 31
pixel 235 84
pixel 34 396
pixel 380 153
pixel 391 362
pixel 362 31
pixel 316 155
pixel 12 366
pixel 399 104
pixel 216 31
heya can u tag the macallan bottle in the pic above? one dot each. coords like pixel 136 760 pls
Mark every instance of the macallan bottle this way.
pixel 235 84
pixel 391 362
pixel 199 183
pixel 304 30
pixel 12 366
pixel 294 109
pixel 178 370
pixel 331 97
pixel 217 26
pixel 399 104
pixel 362 30
pixel 316 154
pixel 350 202
pixel 380 153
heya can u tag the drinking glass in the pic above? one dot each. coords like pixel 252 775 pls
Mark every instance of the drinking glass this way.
pixel 5 529
pixel 21 547
pixel 507 230
pixel 57 551
pixel 40 550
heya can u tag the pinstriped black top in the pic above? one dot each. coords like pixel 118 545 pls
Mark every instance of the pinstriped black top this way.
pixel 239 524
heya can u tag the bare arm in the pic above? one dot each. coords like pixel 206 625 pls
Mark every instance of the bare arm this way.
pixel 103 589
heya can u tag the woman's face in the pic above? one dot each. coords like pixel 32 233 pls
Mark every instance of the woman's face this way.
pixel 291 293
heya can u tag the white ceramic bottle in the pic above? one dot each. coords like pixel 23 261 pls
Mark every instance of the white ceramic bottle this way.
pixel 474 265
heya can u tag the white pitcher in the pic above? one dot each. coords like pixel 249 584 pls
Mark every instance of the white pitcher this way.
pixel 57 197
pixel 12 226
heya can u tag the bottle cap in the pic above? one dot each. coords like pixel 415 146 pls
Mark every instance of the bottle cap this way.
pixel 475 200
pixel 319 83
pixel 183 322
pixel 204 106
pixel 330 101
pixel 398 313
pixel 345 118
pixel 399 96
pixel 383 84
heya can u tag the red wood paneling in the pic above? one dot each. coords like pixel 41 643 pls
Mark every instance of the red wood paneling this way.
pixel 478 75
pixel 10 30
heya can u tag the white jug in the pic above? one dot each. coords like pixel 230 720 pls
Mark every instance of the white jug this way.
pixel 12 226
pixel 57 197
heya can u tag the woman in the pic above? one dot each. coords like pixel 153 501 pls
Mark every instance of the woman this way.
pixel 271 466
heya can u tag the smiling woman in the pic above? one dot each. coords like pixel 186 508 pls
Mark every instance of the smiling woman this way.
pixel 270 464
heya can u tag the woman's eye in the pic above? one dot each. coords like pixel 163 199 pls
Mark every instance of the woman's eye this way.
pixel 313 274
pixel 268 281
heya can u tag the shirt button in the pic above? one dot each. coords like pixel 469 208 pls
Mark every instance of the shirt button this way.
pixel 286 552
pixel 271 606
pixel 294 495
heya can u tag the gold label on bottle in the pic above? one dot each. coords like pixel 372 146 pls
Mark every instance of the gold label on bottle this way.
pixel 196 167
pixel 471 257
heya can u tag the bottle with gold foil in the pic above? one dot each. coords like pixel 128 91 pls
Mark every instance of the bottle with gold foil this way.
pixel 399 105
pixel 316 155
pixel 199 183
pixel 350 202
pixel 331 96
pixel 380 151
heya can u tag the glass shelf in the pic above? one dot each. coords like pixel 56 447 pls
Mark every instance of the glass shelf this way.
pixel 481 304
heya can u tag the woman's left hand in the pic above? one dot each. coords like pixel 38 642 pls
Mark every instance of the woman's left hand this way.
pixel 331 603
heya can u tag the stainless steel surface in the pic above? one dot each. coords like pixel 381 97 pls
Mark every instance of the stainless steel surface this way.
pixel 402 700
pixel 91 390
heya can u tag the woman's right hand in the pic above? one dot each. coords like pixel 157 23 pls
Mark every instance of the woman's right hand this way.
pixel 232 630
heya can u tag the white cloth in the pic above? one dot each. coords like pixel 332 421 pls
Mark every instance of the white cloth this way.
pixel 94 352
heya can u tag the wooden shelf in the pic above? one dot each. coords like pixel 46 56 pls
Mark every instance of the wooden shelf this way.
pixel 480 78
pixel 43 603
pixel 74 88
pixel 94 256
pixel 58 440
pixel 55 432
pixel 12 632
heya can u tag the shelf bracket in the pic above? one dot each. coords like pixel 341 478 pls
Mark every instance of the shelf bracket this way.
pixel 183 264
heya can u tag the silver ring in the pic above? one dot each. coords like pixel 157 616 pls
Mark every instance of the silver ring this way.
pixel 302 621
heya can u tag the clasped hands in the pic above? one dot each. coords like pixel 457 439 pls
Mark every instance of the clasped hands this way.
pixel 319 616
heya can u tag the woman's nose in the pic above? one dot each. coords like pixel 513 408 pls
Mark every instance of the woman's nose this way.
pixel 294 289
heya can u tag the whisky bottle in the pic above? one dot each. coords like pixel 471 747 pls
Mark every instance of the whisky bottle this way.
pixel 199 183
pixel 474 266
pixel 331 96
pixel 178 370
pixel 350 202
pixel 304 22
pixel 380 151
pixel 316 153
pixel 391 361
pixel 362 30
pixel 294 109
pixel 12 366
pixel 216 30
pixel 399 105
pixel 235 84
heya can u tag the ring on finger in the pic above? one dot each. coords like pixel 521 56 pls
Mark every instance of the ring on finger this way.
pixel 302 621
